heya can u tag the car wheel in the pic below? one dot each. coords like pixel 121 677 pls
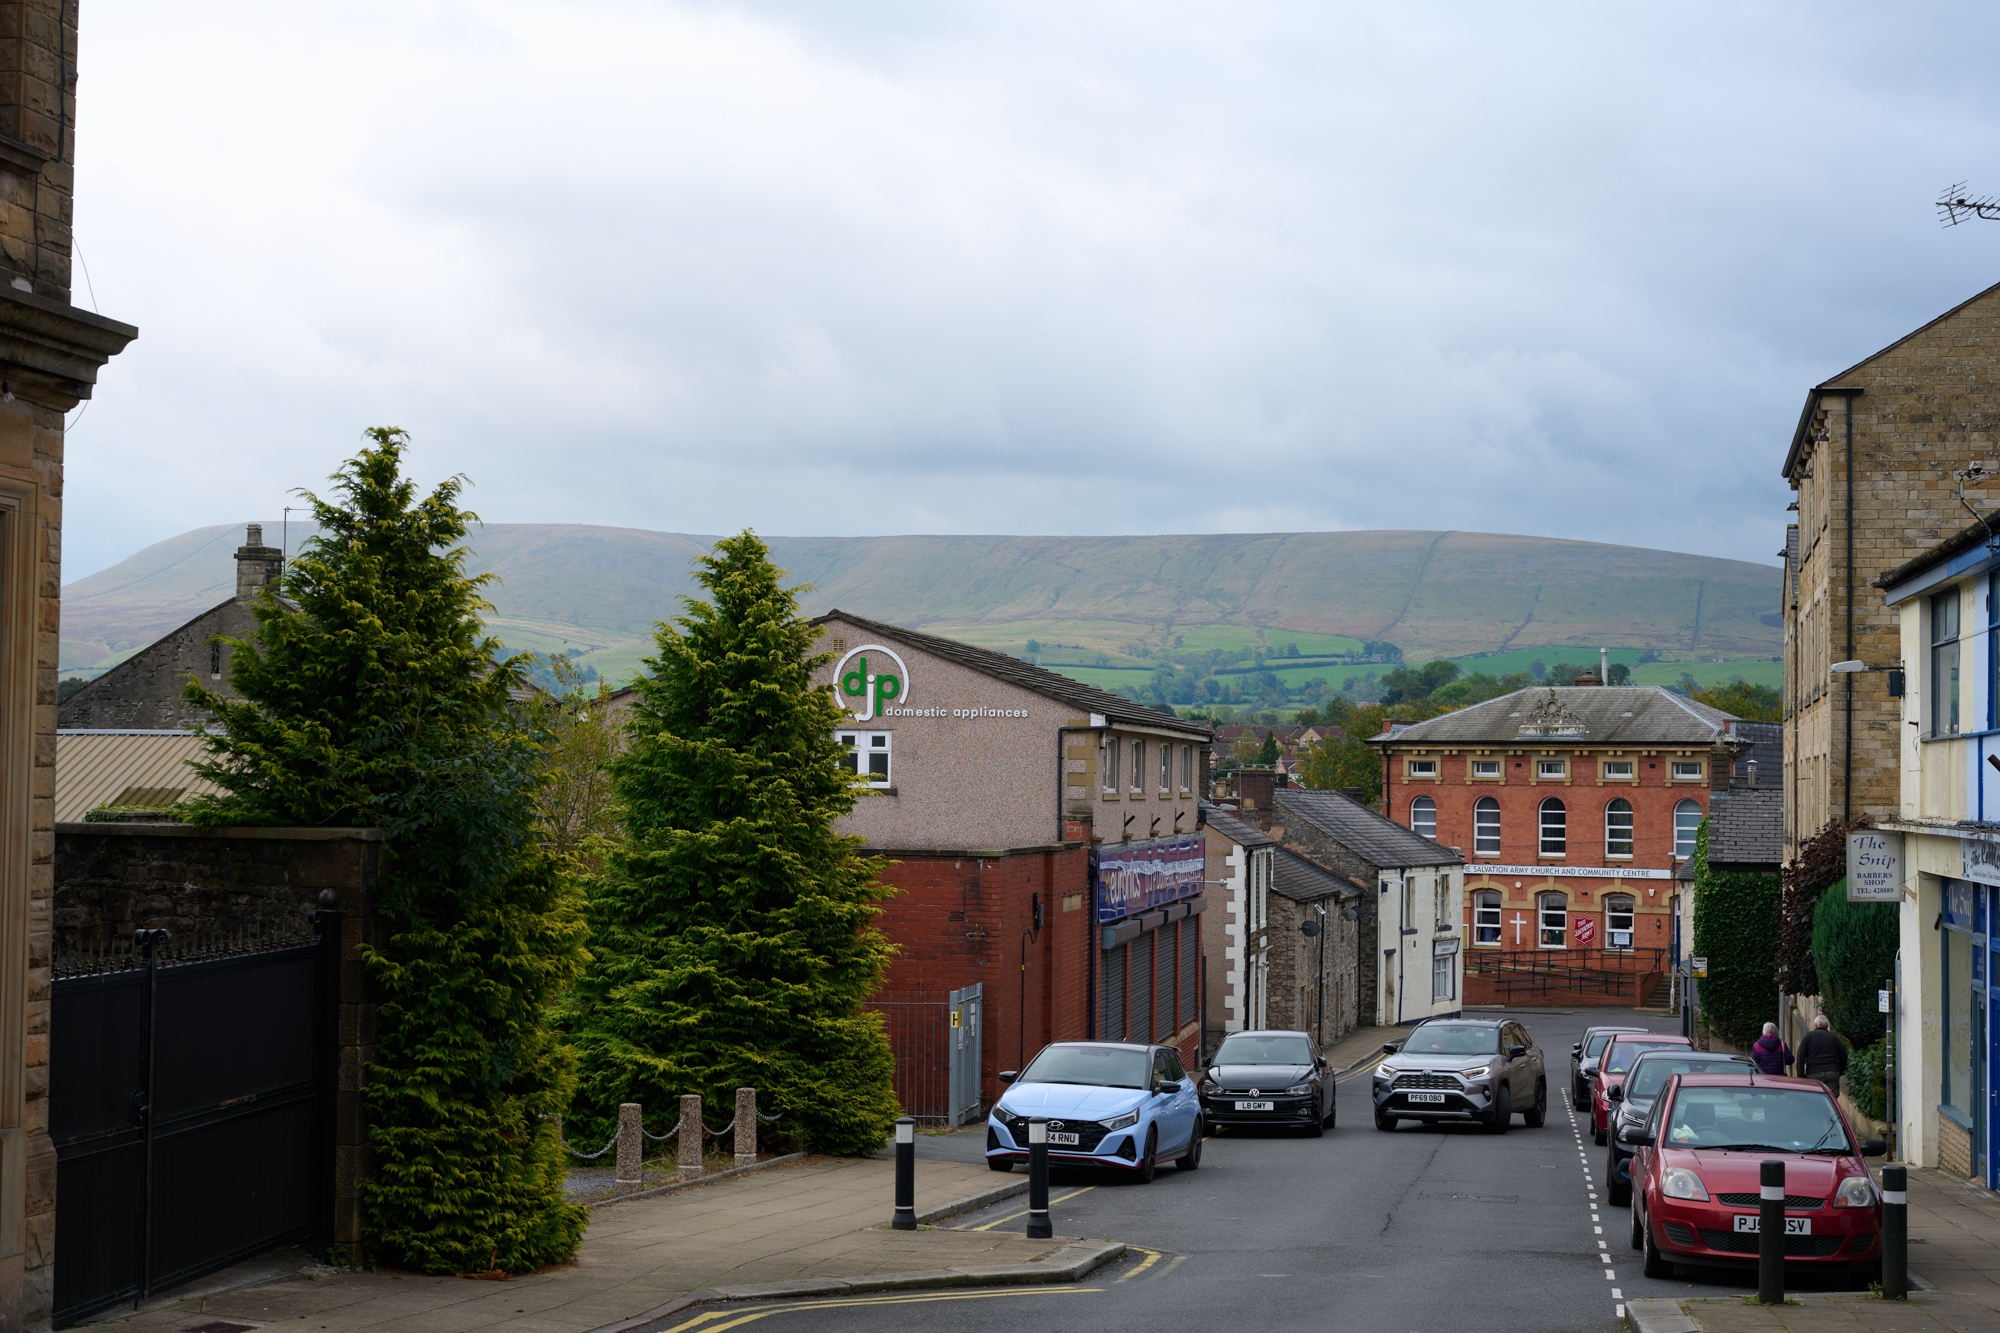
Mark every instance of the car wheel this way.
pixel 999 1164
pixel 1578 1094
pixel 1332 1112
pixel 1191 1159
pixel 1503 1111
pixel 1656 1264
pixel 1533 1118
pixel 1150 1162
pixel 1618 1193
pixel 1384 1122
pixel 1597 1135
pixel 1635 1225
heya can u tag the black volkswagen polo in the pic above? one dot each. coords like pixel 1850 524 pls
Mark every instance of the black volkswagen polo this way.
pixel 1268 1078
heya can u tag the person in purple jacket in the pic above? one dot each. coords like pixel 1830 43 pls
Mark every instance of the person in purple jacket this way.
pixel 1770 1051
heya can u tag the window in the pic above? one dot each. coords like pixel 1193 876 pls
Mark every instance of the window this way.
pixel 1552 768
pixel 214 660
pixel 1486 768
pixel 1442 975
pixel 1166 768
pixel 1486 917
pixel 866 753
pixel 1486 826
pixel 1687 823
pixel 1443 902
pixel 1618 922
pixel 1111 748
pixel 1423 768
pixel 1553 908
pixel 1944 664
pixel 1424 817
pixel 1555 828
pixel 1687 771
pixel 1617 768
pixel 1187 768
pixel 1138 766
pixel 1618 828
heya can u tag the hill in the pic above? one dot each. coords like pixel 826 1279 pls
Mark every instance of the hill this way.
pixel 596 592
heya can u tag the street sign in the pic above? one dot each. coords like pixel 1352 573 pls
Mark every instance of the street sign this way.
pixel 1882 1001
pixel 1700 965
pixel 1874 867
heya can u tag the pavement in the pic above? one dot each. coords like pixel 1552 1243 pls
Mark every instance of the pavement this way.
pixel 808 1227
pixel 1954 1255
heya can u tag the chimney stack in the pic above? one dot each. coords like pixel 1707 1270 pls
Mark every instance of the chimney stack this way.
pixel 257 565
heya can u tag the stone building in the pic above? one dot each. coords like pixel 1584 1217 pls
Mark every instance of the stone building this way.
pixel 1881 457
pixel 1312 978
pixel 143 693
pixel 1239 887
pixel 50 354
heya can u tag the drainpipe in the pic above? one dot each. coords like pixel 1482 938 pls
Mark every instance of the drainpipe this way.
pixel 1847 765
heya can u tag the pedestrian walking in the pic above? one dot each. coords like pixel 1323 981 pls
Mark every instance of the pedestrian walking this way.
pixel 1823 1056
pixel 1770 1051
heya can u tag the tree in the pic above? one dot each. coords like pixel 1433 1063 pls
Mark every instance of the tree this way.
pixel 1752 703
pixel 378 703
pixel 1267 754
pixel 1415 684
pixel 575 800
pixel 1033 647
pixel 1620 674
pixel 732 934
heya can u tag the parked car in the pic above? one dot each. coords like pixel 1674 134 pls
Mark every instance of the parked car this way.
pixel 1480 1070
pixel 1619 1053
pixel 1695 1178
pixel 1108 1103
pixel 1632 1099
pixel 1268 1078
pixel 1583 1059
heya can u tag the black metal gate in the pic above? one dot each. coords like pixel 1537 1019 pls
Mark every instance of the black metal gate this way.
pixel 191 1088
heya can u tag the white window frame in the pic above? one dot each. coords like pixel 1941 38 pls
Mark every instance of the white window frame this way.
pixel 1487 909
pixel 1443 974
pixel 1550 769
pixel 1485 805
pixel 1108 779
pixel 1485 768
pixel 1430 809
pixel 1558 914
pixel 1686 770
pixel 1420 768
pixel 1166 768
pixel 1187 768
pixel 1613 911
pixel 874 744
pixel 1138 768
pixel 1693 828
pixel 1619 770
pixel 1612 829
pixel 1542 827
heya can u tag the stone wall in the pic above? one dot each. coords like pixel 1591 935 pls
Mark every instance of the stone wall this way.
pixel 1303 839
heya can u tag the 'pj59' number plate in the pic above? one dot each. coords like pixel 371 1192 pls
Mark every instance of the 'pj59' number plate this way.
pixel 1070 1139
pixel 1255 1106
pixel 1794 1226
pixel 1436 1097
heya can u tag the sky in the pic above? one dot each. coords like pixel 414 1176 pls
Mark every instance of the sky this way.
pixel 914 266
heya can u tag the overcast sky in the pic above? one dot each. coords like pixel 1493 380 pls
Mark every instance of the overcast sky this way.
pixel 1027 267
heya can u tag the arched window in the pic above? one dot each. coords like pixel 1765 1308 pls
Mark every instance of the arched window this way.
pixel 1555 828
pixel 1618 828
pixel 1424 817
pixel 1486 917
pixel 1687 823
pixel 1486 826
pixel 1618 922
pixel 1553 909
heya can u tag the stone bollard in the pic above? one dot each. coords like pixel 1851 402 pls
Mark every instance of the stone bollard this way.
pixel 690 1137
pixel 631 1149
pixel 746 1127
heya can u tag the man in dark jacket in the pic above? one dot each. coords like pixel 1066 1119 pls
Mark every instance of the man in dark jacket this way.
pixel 1823 1056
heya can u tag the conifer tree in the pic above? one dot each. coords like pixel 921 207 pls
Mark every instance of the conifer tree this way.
pixel 732 936
pixel 373 700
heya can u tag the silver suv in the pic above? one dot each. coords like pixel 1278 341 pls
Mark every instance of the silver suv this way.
pixel 1477 1070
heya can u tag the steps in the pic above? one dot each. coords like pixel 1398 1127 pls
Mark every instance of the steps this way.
pixel 1663 993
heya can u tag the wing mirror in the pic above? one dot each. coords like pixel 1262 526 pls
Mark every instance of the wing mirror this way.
pixel 1516 1052
pixel 1391 1047
pixel 1008 1075
pixel 1319 1062
pixel 1168 1086
pixel 1576 1049
pixel 1615 1095
pixel 1638 1138
pixel 1875 1148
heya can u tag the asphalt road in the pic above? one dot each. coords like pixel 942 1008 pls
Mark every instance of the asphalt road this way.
pixel 1417 1231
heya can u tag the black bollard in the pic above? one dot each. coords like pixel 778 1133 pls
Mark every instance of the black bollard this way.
pixel 1038 1179
pixel 906 1175
pixel 1771 1233
pixel 1895 1233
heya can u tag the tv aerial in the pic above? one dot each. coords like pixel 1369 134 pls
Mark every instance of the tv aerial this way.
pixel 1955 206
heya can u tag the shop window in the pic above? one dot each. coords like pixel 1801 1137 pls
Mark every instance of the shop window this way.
pixel 1555 828
pixel 1486 768
pixel 1687 823
pixel 1553 911
pixel 1687 770
pixel 1618 828
pixel 1944 664
pixel 1552 768
pixel 1618 922
pixel 1486 826
pixel 1138 766
pixel 1423 768
pixel 1424 817
pixel 1486 916
pixel 866 753
pixel 1960 1013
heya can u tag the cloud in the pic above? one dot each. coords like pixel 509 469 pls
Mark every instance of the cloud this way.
pixel 1024 267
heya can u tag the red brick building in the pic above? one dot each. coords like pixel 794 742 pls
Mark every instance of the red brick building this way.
pixel 1044 838
pixel 1573 807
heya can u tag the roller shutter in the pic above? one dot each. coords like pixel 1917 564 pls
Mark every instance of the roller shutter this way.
pixel 1141 1026
pixel 1113 1027
pixel 1190 968
pixel 1163 986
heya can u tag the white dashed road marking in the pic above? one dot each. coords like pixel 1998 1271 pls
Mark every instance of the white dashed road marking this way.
pixel 1590 1187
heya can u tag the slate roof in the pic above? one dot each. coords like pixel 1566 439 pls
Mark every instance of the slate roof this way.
pixel 1379 841
pixel 1294 877
pixel 1050 684
pixel 1767 747
pixel 1234 829
pixel 1606 714
pixel 1746 825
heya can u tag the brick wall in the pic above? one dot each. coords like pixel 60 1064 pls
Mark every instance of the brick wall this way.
pixel 1954 1148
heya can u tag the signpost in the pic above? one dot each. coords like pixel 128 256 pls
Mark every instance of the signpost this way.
pixel 1874 867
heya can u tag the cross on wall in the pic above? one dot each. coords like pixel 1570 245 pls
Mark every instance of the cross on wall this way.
pixel 1519 921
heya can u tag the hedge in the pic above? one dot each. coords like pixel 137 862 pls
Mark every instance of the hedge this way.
pixel 1854 951
pixel 1735 929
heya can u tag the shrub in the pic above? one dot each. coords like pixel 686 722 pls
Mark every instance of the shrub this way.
pixel 1854 951
pixel 1867 1079
pixel 1733 928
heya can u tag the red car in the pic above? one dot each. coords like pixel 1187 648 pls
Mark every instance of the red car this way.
pixel 1611 1070
pixel 1694 1176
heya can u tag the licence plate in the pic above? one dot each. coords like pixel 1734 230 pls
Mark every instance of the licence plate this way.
pixel 1256 1106
pixel 1436 1097
pixel 1070 1139
pixel 1794 1226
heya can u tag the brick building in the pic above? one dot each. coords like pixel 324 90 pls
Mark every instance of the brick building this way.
pixel 1044 837
pixel 1877 461
pixel 1574 806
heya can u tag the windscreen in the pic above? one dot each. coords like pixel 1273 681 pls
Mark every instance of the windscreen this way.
pixel 1622 1053
pixel 1445 1039
pixel 1091 1066
pixel 1756 1119
pixel 1246 1049
pixel 1649 1074
pixel 1595 1046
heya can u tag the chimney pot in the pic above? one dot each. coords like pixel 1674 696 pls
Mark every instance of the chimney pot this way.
pixel 255 535
pixel 1752 766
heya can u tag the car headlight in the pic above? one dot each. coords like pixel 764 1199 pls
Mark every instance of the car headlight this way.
pixel 1677 1182
pixel 1210 1088
pixel 1386 1071
pixel 1298 1089
pixel 1131 1118
pixel 1480 1072
pixel 1854 1192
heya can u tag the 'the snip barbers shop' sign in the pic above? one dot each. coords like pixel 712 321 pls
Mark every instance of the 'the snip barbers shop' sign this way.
pixel 1137 877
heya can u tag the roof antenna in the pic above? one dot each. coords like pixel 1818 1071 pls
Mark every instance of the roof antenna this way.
pixel 1952 203
pixel 1977 472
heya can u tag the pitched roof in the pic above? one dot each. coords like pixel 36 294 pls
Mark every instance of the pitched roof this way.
pixel 1766 750
pixel 138 768
pixel 1051 684
pixel 1967 537
pixel 1238 832
pixel 1747 825
pixel 1587 715
pixel 1294 877
pixel 1377 840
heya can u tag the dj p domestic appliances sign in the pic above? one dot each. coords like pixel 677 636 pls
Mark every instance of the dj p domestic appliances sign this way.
pixel 873 682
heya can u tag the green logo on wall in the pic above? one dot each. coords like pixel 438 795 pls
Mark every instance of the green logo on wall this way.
pixel 868 690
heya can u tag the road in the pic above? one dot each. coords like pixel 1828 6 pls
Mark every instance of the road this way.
pixel 1420 1230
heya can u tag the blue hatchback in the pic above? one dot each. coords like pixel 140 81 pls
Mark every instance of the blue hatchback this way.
pixel 1107 1103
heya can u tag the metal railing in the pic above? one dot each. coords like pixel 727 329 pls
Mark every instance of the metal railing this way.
pixel 1542 972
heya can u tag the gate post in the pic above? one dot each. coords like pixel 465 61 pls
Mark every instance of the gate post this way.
pixel 326 1032
pixel 746 1127
pixel 631 1170
pixel 689 1139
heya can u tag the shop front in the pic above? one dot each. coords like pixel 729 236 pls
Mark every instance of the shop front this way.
pixel 1149 901
pixel 1967 1030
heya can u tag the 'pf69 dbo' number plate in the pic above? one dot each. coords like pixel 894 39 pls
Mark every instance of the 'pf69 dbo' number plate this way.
pixel 1436 1098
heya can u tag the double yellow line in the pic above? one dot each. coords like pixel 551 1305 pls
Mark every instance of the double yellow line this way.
pixel 735 1319
pixel 1361 1072
pixel 988 1226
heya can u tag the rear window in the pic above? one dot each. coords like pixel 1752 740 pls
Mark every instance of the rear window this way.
pixel 1752 1119
pixel 1595 1046
pixel 1244 1049
pixel 1619 1058
pixel 1091 1066
pixel 1650 1074
pixel 1446 1039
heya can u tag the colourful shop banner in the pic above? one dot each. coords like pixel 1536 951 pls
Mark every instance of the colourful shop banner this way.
pixel 1135 877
